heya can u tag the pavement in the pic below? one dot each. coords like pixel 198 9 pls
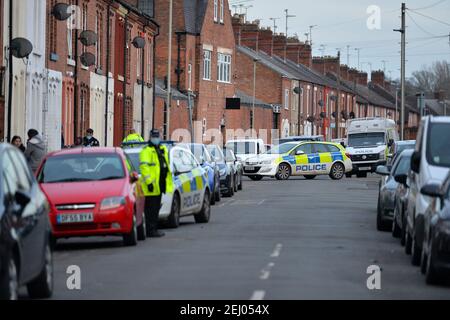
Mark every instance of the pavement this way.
pixel 295 239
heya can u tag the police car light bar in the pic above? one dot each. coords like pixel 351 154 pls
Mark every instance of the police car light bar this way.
pixel 132 144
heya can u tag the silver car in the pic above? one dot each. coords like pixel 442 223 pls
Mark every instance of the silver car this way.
pixel 387 190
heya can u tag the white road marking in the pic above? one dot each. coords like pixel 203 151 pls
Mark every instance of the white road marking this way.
pixel 258 295
pixel 276 252
pixel 265 273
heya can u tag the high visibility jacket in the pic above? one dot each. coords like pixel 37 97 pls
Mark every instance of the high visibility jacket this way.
pixel 151 171
pixel 134 137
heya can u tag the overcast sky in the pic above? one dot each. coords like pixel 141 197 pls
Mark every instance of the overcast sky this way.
pixel 344 22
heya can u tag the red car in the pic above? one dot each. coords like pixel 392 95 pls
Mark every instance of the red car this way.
pixel 92 192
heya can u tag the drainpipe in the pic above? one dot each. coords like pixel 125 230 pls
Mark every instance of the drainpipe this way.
pixel 10 75
pixel 142 84
pixel 125 66
pixel 178 71
pixel 108 51
pixel 75 84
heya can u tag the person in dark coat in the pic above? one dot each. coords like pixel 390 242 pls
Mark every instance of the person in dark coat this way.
pixel 89 140
pixel 36 149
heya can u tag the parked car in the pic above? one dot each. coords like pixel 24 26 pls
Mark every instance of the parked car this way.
pixel 435 262
pixel 246 148
pixel 398 147
pixel 226 171
pixel 430 163
pixel 237 167
pixel 401 200
pixel 25 249
pixel 387 190
pixel 93 191
pixel 308 159
pixel 208 163
pixel 192 194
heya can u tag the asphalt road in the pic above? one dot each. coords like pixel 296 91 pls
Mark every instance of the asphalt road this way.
pixel 297 239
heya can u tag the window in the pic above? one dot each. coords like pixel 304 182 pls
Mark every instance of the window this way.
pixel 9 174
pixel 286 99
pixel 306 148
pixel 53 30
pixel 189 76
pixel 84 21
pixel 99 29
pixel 207 64
pixel 438 148
pixel 224 68
pixel 320 148
pixel 149 60
pixel 216 10
pixel 22 169
pixel 332 148
pixel 222 10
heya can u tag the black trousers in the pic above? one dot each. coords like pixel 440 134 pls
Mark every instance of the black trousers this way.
pixel 152 207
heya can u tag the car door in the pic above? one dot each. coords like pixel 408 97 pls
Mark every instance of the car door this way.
pixel 181 179
pixel 301 155
pixel 323 158
pixel 198 180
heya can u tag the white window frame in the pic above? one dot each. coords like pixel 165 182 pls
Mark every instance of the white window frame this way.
pixel 216 10
pixel 223 68
pixel 207 63
pixel 222 10
pixel 286 99
pixel 190 76
pixel 138 63
pixel 70 56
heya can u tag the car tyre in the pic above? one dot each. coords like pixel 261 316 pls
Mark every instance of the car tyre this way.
pixel 174 218
pixel 396 230
pixel 432 275
pixel 240 186
pixel 9 284
pixel 408 243
pixel 230 189
pixel 42 286
pixel 337 171
pixel 382 225
pixel 236 183
pixel 131 239
pixel 403 232
pixel 283 172
pixel 205 214
pixel 416 253
pixel 310 177
pixel 142 229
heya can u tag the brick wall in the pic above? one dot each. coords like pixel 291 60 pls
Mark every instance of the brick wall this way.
pixel 179 115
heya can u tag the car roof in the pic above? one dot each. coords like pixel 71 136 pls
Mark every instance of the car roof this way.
pixel 440 119
pixel 405 142
pixel 82 150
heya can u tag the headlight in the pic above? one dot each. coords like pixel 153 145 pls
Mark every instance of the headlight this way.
pixel 266 162
pixel 112 203
pixel 223 171
pixel 383 155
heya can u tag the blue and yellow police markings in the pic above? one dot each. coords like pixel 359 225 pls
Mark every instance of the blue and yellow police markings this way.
pixel 317 162
pixel 191 185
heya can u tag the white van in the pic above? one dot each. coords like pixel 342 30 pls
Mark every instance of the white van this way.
pixel 246 148
pixel 430 164
pixel 369 141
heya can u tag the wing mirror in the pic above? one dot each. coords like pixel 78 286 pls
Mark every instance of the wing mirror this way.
pixel 415 162
pixel 22 199
pixel 432 190
pixel 299 152
pixel 383 171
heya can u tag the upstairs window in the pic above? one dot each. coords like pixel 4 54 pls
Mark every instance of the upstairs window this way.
pixel 222 10
pixel 207 64
pixel 216 10
pixel 224 68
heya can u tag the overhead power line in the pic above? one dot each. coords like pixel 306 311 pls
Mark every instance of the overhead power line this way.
pixel 429 17
pixel 430 6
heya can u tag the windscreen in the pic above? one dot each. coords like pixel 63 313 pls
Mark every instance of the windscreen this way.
pixel 438 153
pixel 216 153
pixel 82 167
pixel 242 147
pixel 363 140
pixel 403 166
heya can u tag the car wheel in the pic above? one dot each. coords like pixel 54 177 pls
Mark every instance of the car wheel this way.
pixel 337 171
pixel 416 253
pixel 205 214
pixel 403 232
pixel 361 175
pixel 213 197
pixel 423 260
pixel 236 182
pixel 142 229
pixel 217 194
pixel 283 172
pixel 240 186
pixel 174 218
pixel 130 239
pixel 310 177
pixel 9 284
pixel 42 286
pixel 230 188
pixel 408 242
pixel 382 225
pixel 256 178
pixel 432 274
pixel 396 231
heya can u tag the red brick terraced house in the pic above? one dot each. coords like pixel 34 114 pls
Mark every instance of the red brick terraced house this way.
pixel 203 60
pixel 107 95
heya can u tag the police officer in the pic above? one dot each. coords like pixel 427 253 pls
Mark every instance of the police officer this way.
pixel 156 180
pixel 133 137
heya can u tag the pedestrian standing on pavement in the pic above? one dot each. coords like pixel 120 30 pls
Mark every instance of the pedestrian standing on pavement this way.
pixel 156 179
pixel 17 141
pixel 89 140
pixel 35 151
pixel 133 136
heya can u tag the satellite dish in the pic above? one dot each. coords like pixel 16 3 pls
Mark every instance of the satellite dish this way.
pixel 139 42
pixel 298 90
pixel 321 103
pixel 88 38
pixel 21 48
pixel 87 59
pixel 61 11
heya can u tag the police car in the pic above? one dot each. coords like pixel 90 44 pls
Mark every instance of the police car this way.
pixel 308 159
pixel 192 194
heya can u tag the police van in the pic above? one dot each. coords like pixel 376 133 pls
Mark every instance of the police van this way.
pixel 369 141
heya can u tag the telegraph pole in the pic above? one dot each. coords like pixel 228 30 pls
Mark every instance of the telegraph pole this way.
pixel 358 50
pixel 275 27
pixel 310 35
pixel 169 75
pixel 348 55
pixel 403 71
pixel 287 28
